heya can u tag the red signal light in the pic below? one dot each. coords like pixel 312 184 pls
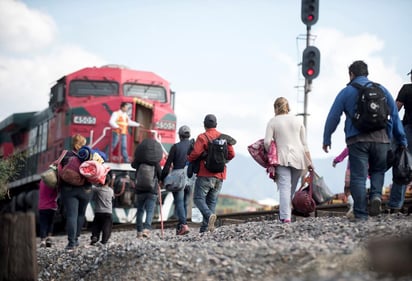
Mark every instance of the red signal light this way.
pixel 310 12
pixel 310 71
pixel 310 62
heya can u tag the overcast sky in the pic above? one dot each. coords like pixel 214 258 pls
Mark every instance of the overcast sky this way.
pixel 232 58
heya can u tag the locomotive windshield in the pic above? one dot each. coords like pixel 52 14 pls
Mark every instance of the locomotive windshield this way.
pixel 83 88
pixel 148 92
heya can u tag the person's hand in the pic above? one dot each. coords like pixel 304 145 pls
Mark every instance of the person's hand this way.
pixel 311 168
pixel 326 148
pixel 141 126
pixel 334 164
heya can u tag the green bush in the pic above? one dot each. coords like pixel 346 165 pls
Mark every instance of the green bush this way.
pixel 9 169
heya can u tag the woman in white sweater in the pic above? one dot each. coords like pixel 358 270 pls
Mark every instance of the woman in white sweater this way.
pixel 294 158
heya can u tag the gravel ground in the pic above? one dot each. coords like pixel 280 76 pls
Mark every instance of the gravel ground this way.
pixel 323 249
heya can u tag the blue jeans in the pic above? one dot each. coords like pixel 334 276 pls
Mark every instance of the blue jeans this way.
pixel 123 145
pixel 188 190
pixel 205 197
pixel 75 200
pixel 145 202
pixel 397 194
pixel 180 209
pixel 366 158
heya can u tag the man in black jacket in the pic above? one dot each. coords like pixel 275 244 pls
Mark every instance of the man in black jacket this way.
pixel 178 157
pixel 404 100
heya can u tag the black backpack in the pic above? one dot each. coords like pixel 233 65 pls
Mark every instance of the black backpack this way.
pixel 372 109
pixel 217 155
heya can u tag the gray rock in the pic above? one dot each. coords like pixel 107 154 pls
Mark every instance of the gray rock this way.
pixel 324 248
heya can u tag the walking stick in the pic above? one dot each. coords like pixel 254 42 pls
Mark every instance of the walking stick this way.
pixel 160 203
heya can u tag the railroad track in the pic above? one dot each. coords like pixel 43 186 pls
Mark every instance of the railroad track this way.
pixel 329 210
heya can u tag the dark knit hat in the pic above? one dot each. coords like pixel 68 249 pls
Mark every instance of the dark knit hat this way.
pixel 210 121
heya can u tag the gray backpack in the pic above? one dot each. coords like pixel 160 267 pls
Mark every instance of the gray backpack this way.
pixel 146 180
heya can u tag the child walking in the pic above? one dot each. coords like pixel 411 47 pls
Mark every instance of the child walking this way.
pixel 47 209
pixel 346 191
pixel 103 221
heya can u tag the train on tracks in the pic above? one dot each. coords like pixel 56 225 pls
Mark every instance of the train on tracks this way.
pixel 82 103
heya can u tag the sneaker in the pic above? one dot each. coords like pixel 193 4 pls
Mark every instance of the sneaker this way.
pixel 49 242
pixel 393 211
pixel 375 208
pixel 184 229
pixel 285 221
pixel 94 240
pixel 356 220
pixel 43 244
pixel 211 223
pixel 139 235
pixel 146 233
pixel 70 247
pixel 349 214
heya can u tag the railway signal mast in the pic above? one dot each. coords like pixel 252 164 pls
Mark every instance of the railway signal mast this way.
pixel 311 54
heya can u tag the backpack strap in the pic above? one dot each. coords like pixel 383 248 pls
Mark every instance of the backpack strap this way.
pixel 359 86
pixel 209 140
pixel 59 160
pixel 205 152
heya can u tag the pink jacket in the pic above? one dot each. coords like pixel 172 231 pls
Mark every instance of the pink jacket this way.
pixel 342 156
pixel 47 197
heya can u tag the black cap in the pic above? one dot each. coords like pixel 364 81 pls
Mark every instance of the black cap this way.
pixel 409 72
pixel 210 121
pixel 184 131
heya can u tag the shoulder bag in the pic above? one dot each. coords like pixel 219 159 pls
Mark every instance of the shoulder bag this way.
pixel 175 180
pixel 50 176
pixel 302 201
pixel 321 191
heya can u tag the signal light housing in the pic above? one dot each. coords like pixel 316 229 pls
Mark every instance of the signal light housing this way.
pixel 310 12
pixel 311 62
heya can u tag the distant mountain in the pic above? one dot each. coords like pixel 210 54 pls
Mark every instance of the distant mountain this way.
pixel 247 179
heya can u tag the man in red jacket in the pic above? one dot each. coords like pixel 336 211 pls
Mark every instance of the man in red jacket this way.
pixel 208 184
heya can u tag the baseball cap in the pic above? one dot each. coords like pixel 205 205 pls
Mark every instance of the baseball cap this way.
pixel 210 121
pixel 184 131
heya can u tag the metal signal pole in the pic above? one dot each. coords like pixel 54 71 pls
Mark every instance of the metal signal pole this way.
pixel 311 55
pixel 308 83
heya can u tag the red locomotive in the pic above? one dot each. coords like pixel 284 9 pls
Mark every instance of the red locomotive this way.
pixel 82 102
